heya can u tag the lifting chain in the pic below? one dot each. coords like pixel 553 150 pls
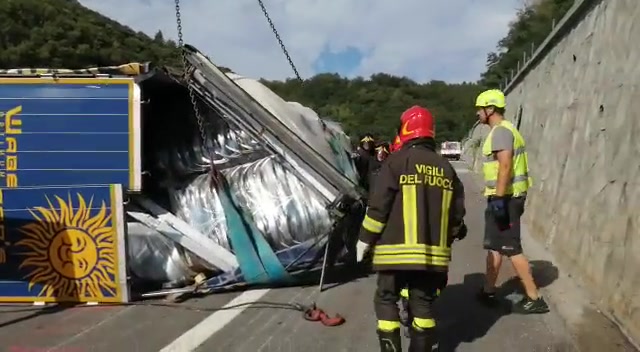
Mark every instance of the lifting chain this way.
pixel 187 67
pixel 186 75
pixel 275 32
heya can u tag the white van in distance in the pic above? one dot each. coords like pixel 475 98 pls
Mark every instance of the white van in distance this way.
pixel 451 150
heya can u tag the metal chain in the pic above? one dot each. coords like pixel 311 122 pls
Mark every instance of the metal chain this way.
pixel 275 31
pixel 186 68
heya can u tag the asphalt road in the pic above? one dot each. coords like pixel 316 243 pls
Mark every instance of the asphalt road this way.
pixel 195 325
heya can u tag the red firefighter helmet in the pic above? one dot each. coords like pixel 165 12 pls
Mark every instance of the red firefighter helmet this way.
pixel 396 145
pixel 417 122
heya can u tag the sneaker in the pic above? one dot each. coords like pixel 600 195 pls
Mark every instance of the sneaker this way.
pixel 487 298
pixel 531 306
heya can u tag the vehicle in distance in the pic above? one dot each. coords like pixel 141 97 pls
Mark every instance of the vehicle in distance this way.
pixel 451 150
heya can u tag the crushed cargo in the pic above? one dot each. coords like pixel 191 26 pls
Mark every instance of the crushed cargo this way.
pixel 136 180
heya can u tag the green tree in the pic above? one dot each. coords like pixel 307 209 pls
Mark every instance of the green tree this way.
pixel 159 37
pixel 532 25
pixel 64 34
pixel 374 105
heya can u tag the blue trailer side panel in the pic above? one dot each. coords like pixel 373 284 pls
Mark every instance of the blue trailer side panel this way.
pixel 71 131
pixel 62 244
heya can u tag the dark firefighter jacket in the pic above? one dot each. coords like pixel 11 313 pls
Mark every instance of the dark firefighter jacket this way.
pixel 374 170
pixel 414 211
pixel 363 163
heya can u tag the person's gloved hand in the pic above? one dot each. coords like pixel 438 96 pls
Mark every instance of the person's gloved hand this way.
pixel 462 232
pixel 361 250
pixel 498 207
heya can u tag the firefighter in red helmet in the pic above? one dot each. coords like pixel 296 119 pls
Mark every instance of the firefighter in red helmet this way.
pixel 413 216
pixel 395 146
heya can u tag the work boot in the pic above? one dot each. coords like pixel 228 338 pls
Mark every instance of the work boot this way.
pixel 423 340
pixel 531 306
pixel 390 341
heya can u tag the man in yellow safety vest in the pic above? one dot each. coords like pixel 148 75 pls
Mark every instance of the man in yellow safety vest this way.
pixel 507 180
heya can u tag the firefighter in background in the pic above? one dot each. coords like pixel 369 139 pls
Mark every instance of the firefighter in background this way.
pixel 413 216
pixel 395 145
pixel 364 158
pixel 382 152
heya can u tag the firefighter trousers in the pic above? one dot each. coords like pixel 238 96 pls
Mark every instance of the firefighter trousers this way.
pixel 423 287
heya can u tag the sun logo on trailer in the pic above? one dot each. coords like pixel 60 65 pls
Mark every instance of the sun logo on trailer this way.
pixel 71 250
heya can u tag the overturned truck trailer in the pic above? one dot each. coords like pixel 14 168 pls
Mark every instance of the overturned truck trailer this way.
pixel 113 184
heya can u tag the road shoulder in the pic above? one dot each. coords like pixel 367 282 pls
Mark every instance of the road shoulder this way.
pixel 590 329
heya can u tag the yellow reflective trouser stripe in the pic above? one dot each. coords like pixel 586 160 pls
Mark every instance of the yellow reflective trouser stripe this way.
pixel 444 217
pixel 410 213
pixel 372 225
pixel 422 323
pixel 405 293
pixel 388 325
pixel 418 249
pixel 410 259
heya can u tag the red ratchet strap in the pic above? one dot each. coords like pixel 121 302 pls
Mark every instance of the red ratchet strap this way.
pixel 315 314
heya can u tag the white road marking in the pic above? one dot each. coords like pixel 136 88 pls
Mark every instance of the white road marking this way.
pixel 200 333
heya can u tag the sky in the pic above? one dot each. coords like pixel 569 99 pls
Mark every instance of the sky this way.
pixel 422 39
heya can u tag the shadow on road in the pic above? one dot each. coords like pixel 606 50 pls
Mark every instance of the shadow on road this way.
pixel 544 273
pixel 462 319
pixel 335 276
pixel 35 312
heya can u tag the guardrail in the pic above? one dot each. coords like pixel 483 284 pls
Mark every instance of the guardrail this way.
pixel 558 31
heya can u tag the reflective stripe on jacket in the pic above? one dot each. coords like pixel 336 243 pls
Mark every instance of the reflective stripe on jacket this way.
pixel 414 210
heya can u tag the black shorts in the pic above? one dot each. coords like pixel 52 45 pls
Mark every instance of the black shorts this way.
pixel 506 242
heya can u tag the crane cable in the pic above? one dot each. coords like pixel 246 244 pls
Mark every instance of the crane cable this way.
pixel 187 66
pixel 282 46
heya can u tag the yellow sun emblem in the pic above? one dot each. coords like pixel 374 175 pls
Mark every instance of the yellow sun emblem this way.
pixel 71 251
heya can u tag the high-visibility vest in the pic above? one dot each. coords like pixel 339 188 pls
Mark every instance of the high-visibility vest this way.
pixel 520 179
